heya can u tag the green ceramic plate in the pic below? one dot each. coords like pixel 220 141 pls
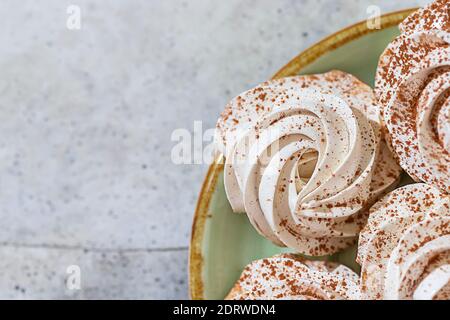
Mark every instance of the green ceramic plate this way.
pixel 223 242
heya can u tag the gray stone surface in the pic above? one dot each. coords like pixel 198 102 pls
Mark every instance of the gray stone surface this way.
pixel 86 117
pixel 42 272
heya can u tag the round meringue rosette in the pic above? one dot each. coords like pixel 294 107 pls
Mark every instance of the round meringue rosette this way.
pixel 404 251
pixel 288 277
pixel 304 159
pixel 413 88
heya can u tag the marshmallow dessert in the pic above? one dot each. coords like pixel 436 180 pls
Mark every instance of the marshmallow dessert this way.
pixel 289 277
pixel 404 251
pixel 413 88
pixel 304 159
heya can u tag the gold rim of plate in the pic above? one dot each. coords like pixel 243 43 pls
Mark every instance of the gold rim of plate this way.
pixel 305 58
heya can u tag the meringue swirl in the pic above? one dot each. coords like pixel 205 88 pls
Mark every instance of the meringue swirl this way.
pixel 288 277
pixel 303 159
pixel 404 251
pixel 413 88
pixel 434 16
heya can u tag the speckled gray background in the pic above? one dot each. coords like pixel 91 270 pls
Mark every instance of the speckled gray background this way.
pixel 86 118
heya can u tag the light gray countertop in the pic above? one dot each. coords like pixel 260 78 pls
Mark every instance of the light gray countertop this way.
pixel 86 175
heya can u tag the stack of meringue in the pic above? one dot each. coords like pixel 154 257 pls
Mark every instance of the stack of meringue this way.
pixel 306 159
pixel 404 250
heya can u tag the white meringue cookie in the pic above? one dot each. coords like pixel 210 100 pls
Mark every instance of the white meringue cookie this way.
pixel 303 159
pixel 288 277
pixel 404 251
pixel 434 16
pixel 413 88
